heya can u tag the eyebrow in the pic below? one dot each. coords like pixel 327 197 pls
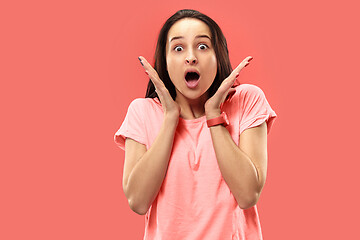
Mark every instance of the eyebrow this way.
pixel 198 36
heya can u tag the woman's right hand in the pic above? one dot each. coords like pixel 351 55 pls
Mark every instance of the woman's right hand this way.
pixel 170 107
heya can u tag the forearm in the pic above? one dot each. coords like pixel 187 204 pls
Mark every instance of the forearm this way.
pixel 148 174
pixel 237 169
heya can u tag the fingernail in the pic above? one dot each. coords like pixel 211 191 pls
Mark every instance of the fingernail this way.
pixel 250 59
pixel 140 61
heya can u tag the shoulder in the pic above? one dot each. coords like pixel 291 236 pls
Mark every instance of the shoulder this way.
pixel 145 108
pixel 136 107
pixel 142 103
pixel 249 94
pixel 248 90
pixel 138 102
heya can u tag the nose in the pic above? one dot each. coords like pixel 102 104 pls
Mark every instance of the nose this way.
pixel 191 59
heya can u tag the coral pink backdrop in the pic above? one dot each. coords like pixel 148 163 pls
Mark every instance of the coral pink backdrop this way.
pixel 69 70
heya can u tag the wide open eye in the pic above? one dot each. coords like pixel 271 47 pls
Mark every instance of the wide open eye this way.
pixel 178 48
pixel 203 46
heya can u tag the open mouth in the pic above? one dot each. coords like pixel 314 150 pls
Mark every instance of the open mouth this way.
pixel 192 76
pixel 192 79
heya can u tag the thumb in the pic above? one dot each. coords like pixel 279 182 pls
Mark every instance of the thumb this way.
pixel 230 93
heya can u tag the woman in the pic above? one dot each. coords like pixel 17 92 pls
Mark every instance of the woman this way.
pixel 196 145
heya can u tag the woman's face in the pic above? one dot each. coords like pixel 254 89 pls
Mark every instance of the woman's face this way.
pixel 189 49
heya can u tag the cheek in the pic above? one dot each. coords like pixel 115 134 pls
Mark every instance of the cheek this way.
pixel 171 64
pixel 169 68
pixel 212 65
pixel 210 60
pixel 214 61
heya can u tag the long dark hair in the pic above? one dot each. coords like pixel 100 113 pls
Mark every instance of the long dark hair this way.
pixel 217 40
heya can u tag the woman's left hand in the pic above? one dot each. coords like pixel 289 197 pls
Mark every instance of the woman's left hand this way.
pixel 212 105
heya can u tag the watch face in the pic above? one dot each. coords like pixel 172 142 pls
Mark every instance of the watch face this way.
pixel 226 119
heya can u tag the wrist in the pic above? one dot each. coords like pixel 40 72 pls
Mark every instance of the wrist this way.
pixel 171 118
pixel 212 113
pixel 220 120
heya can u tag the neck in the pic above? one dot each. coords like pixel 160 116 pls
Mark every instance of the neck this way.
pixel 191 108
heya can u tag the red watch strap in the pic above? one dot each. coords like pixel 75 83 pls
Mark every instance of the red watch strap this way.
pixel 222 119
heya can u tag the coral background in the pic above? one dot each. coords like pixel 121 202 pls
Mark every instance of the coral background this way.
pixel 69 70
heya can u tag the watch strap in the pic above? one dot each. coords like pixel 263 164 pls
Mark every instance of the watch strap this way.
pixel 222 119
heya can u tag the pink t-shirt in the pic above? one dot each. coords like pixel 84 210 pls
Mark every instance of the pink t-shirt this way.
pixel 194 202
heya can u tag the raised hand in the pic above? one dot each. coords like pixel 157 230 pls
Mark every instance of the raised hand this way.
pixel 170 107
pixel 212 105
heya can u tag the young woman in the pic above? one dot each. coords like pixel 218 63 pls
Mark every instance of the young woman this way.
pixel 196 145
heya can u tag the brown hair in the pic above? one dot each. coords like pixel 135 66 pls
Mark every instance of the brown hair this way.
pixel 217 40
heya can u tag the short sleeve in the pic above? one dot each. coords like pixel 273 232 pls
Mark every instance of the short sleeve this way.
pixel 255 108
pixel 133 125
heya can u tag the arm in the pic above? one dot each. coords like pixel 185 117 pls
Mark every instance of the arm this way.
pixel 144 171
pixel 243 167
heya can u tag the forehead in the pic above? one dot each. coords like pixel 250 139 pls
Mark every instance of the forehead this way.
pixel 188 28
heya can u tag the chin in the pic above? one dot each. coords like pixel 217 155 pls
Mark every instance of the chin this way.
pixel 194 95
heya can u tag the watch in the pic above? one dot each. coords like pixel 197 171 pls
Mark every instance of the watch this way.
pixel 222 119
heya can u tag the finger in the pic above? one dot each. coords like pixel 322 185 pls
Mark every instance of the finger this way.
pixel 146 65
pixel 229 82
pixel 223 90
pixel 235 73
pixel 149 70
pixel 160 88
pixel 243 64
pixel 230 93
